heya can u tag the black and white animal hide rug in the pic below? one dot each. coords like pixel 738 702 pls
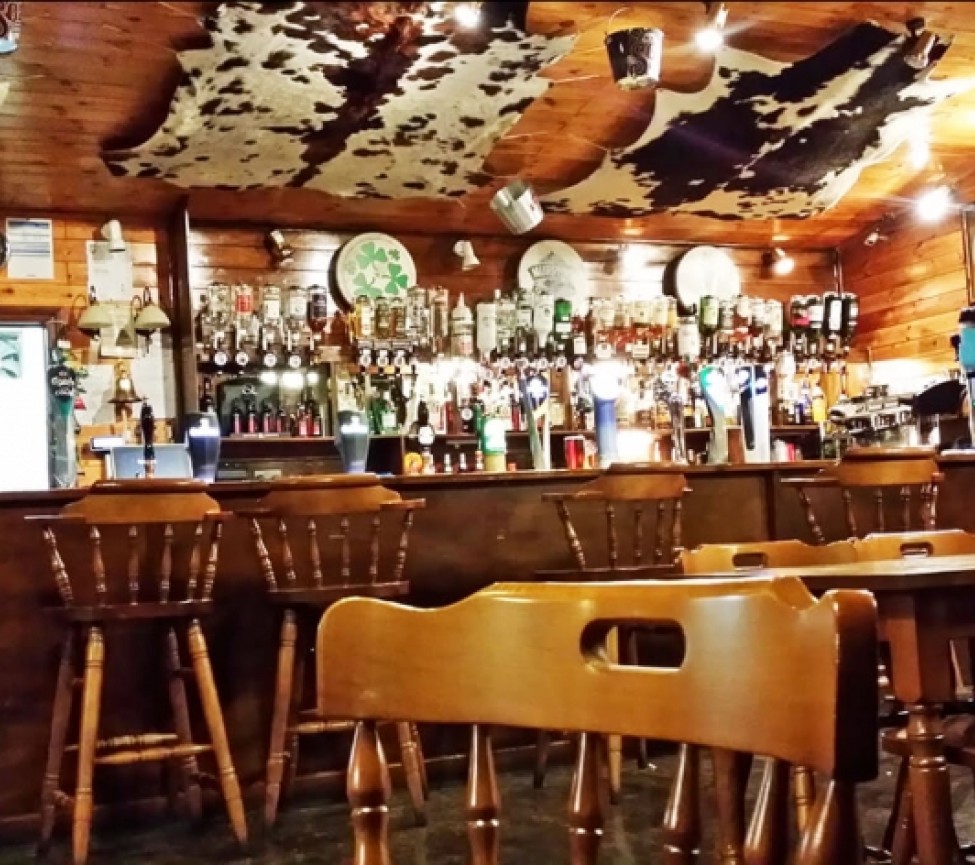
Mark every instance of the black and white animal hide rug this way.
pixel 766 139
pixel 385 100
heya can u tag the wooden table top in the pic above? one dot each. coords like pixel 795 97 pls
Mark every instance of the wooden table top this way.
pixel 889 575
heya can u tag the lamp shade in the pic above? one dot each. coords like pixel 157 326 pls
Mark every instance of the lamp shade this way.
pixel 517 207
pixel 635 56
pixel 150 319
pixel 94 319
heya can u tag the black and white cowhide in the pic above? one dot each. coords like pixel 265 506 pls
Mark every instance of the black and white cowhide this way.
pixel 766 139
pixel 355 99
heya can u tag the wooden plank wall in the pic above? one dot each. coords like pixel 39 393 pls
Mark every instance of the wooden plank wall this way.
pixel 225 254
pixel 911 287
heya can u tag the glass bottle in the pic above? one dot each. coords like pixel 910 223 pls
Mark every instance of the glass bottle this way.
pixel 397 315
pixel 524 309
pixel 440 319
pixel 851 314
pixel 383 318
pixel 708 314
pixel 318 308
pixel 462 329
pixel 418 315
pixel 271 305
pixel 507 322
pixel 543 317
pixel 487 328
pixel 562 326
pixel 365 317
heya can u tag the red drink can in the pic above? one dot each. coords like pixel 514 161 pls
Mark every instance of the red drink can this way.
pixel 575 452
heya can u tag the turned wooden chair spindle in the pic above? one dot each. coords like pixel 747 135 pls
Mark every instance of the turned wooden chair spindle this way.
pixel 331 518
pixel 742 637
pixel 131 524
pixel 898 491
pixel 634 499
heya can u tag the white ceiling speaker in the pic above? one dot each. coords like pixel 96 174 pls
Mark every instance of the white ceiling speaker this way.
pixel 464 250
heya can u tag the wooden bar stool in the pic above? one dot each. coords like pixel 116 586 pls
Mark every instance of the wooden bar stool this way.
pixel 624 494
pixel 351 510
pixel 881 481
pixel 131 523
pixel 743 638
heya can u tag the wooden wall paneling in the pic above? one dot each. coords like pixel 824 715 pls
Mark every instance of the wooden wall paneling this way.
pixel 911 287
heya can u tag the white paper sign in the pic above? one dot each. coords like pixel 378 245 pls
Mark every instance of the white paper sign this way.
pixel 30 249
pixel 109 272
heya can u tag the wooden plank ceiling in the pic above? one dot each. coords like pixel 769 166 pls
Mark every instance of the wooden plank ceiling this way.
pixel 94 75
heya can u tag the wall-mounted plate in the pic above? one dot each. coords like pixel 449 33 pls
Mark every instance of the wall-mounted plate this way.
pixel 706 270
pixel 557 268
pixel 373 264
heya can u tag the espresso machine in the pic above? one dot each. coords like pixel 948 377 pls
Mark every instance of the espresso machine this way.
pixel 755 412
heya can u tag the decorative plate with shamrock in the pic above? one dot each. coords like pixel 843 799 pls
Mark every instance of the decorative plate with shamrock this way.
pixel 373 264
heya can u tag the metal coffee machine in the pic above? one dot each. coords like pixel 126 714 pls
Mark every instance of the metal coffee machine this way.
pixel 874 419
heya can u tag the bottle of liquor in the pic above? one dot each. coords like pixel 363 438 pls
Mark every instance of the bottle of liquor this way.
pixel 383 318
pixel 315 415
pixel 466 417
pixel 440 320
pixel 398 320
pixel 487 328
pixel 364 317
pixel 147 424
pixel 562 324
pixel 318 308
pixel 507 323
pixel 709 317
pixel 524 311
pixel 851 315
pixel 461 329
pixel 543 319
pixel 418 316
pixel 207 402
pixel 269 419
pixel 236 418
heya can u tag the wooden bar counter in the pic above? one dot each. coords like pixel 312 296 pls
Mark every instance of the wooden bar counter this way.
pixel 476 529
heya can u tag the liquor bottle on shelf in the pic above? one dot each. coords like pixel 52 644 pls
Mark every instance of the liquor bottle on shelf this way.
pixel 207 402
pixel 709 317
pixel 562 322
pixel 461 329
pixel 440 316
pixel 399 329
pixel 418 311
pixel 487 328
pixel 318 307
pixel 383 318
pixel 507 323
pixel 364 317
pixel 543 317
pixel 851 315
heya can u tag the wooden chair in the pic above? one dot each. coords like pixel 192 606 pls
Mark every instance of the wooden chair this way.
pixel 624 493
pixel 129 524
pixel 745 640
pixel 947 542
pixel 355 509
pixel 891 479
pixel 731 770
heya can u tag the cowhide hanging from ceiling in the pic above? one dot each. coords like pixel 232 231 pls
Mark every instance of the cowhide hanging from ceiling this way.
pixel 766 139
pixel 356 99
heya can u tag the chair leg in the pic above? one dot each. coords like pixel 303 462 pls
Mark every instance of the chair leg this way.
pixel 60 717
pixel 188 767
pixel 629 654
pixel 90 711
pixel 903 845
pixel 218 734
pixel 887 842
pixel 415 734
pixel 804 795
pixel 280 716
pixel 614 743
pixel 542 739
pixel 411 759
pixel 292 745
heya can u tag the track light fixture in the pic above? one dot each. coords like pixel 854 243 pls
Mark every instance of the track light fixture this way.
pixel 920 46
pixel 467 15
pixel 778 262
pixel 711 37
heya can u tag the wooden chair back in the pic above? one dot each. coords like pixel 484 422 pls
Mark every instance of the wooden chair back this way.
pixel 952 542
pixel 634 489
pixel 319 524
pixel 723 558
pixel 170 529
pixel 746 642
pixel 895 489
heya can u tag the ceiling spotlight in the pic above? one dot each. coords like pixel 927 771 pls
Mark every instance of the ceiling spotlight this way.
pixel 112 232
pixel 920 46
pixel 711 37
pixel 779 262
pixel 464 250
pixel 933 204
pixel 467 15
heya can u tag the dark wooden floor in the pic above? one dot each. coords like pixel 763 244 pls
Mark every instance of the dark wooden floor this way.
pixel 312 833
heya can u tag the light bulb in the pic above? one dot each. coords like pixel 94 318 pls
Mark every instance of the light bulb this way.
pixel 709 39
pixel 933 204
pixel 467 15
pixel 784 266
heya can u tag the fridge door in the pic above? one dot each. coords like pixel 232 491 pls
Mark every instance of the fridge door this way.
pixel 24 432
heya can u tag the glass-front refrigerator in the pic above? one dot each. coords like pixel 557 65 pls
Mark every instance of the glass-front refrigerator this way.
pixel 25 439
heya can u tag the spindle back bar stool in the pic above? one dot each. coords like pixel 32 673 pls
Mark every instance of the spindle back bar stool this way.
pixel 152 546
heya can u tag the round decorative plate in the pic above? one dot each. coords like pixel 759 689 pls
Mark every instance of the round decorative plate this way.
pixel 706 270
pixel 556 267
pixel 373 264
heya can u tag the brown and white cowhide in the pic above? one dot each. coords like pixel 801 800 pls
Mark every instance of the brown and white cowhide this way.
pixel 766 139
pixel 355 99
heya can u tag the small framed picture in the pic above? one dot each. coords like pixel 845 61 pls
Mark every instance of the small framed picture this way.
pixel 968 239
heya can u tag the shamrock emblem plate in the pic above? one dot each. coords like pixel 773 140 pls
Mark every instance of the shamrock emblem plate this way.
pixel 373 264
